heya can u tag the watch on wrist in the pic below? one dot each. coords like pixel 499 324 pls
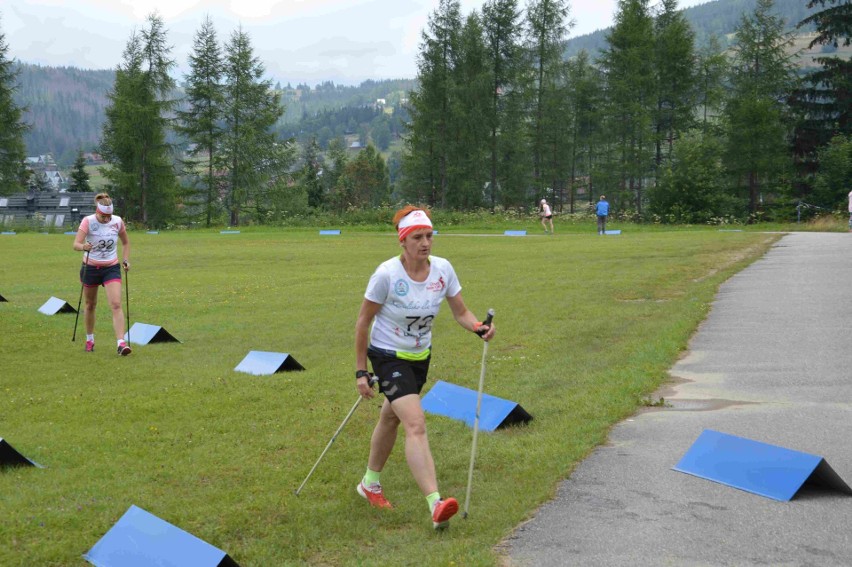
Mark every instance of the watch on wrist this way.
pixel 362 374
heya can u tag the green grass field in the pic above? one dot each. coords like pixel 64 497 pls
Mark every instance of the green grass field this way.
pixel 587 328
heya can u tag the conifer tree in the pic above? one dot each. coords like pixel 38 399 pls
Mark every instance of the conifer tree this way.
pixel 584 114
pixel 335 164
pixel 251 153
pixel 12 148
pixel 364 181
pixel 824 101
pixel 712 68
pixel 547 23
pixel 79 176
pixel 628 64
pixel 467 161
pixel 431 108
pixel 501 25
pixel 761 79
pixel 310 176
pixel 134 137
pixel 201 122
pixel 676 78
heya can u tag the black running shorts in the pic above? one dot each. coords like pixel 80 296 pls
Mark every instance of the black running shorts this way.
pixel 398 377
pixel 93 276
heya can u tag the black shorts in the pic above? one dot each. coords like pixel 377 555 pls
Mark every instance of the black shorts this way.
pixel 93 276
pixel 549 217
pixel 398 377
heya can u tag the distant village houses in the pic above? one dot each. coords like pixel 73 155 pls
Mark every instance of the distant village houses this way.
pixel 45 174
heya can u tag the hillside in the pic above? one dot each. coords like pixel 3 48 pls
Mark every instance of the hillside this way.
pixel 66 106
pixel 65 109
pixel 718 18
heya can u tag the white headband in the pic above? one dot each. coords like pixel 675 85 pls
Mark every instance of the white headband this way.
pixel 411 222
pixel 104 209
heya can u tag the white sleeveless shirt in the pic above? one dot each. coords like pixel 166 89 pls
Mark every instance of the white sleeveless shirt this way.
pixel 104 239
pixel 404 323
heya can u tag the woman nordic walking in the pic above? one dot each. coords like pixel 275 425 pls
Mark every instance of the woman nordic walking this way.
pixel 98 237
pixel 546 214
pixel 402 299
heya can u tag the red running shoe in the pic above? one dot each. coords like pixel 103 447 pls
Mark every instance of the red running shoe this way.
pixel 374 495
pixel 443 511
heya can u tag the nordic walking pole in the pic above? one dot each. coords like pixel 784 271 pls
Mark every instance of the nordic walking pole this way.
pixel 476 419
pixel 371 381
pixel 127 299
pixel 80 301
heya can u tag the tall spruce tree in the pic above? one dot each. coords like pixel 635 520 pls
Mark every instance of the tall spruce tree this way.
pixel 711 71
pixel 502 28
pixel 467 168
pixel 201 122
pixel 824 101
pixel 137 118
pixel 79 176
pixel 761 79
pixel 251 154
pixel 431 108
pixel 12 148
pixel 628 64
pixel 584 113
pixel 547 23
pixel 676 78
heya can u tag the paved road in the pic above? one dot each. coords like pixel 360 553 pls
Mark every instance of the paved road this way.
pixel 773 363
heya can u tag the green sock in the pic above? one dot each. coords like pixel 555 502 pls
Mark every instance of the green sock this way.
pixel 370 477
pixel 432 498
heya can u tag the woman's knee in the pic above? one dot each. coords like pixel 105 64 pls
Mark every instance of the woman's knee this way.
pixel 415 425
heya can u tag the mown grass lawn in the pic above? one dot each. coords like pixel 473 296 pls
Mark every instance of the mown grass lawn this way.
pixel 587 328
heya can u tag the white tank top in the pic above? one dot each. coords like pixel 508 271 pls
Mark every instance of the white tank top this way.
pixel 404 323
pixel 104 239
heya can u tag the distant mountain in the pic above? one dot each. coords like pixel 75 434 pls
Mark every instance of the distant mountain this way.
pixel 66 106
pixel 718 18
pixel 65 109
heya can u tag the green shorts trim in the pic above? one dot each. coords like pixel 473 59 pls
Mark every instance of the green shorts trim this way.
pixel 402 355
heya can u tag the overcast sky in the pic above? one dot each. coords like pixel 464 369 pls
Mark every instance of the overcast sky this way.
pixel 345 41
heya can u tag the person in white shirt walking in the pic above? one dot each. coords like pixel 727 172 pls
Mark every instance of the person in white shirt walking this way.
pixel 546 214
pixel 98 237
pixel 401 302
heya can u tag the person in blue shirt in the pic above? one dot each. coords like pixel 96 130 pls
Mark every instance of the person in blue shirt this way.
pixel 602 210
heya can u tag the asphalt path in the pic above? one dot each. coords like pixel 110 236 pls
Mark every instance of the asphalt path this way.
pixel 771 363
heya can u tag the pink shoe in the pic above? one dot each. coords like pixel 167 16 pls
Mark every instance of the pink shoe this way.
pixel 123 349
pixel 90 346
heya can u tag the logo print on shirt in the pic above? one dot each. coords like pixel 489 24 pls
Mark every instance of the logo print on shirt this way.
pixel 94 226
pixel 401 288
pixel 437 286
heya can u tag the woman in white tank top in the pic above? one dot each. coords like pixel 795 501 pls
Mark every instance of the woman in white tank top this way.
pixel 98 237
